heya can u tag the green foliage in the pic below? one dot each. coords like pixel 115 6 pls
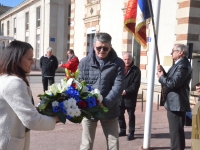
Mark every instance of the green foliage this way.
pixel 61 117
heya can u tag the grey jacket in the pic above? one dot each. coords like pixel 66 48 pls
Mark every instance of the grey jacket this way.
pixel 176 86
pixel 108 79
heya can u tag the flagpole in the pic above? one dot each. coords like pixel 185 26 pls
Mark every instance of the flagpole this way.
pixel 156 44
pixel 151 78
pixel 154 31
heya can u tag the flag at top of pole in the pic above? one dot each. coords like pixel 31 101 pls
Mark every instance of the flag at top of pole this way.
pixel 137 12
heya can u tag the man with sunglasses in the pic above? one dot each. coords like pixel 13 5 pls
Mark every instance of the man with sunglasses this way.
pixel 175 85
pixel 104 70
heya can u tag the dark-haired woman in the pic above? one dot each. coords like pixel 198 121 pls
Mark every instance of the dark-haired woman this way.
pixel 17 113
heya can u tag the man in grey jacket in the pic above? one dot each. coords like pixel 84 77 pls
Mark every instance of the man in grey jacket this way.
pixel 175 84
pixel 104 70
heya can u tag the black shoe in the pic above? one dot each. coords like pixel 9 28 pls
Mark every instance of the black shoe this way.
pixel 130 137
pixel 122 133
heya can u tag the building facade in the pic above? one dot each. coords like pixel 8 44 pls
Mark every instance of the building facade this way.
pixel 42 23
pixel 179 22
pixel 72 24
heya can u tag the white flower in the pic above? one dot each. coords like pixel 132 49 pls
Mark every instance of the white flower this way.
pixel 53 89
pixel 77 112
pixel 100 98
pixel 85 89
pixel 71 112
pixel 64 85
pixel 96 91
pixel 72 102
pixel 69 82
pixel 54 103
pixel 65 102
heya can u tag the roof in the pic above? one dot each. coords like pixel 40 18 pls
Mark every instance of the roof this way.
pixel 6 38
pixel 3 9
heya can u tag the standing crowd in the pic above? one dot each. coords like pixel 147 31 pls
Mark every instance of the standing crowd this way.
pixel 117 79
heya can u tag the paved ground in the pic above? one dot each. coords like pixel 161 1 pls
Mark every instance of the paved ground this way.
pixel 68 136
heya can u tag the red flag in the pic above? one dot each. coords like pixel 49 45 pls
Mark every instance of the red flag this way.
pixel 137 12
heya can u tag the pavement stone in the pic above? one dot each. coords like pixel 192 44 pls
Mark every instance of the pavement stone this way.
pixel 68 136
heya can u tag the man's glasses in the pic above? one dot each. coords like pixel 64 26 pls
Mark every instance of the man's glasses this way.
pixel 174 51
pixel 102 48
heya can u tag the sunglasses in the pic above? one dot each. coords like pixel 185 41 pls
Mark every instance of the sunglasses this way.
pixel 102 48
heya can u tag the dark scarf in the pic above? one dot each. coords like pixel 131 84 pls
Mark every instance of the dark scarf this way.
pixel 127 68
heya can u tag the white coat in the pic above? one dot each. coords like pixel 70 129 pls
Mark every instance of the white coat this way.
pixel 17 112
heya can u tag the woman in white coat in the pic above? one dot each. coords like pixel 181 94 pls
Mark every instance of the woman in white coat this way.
pixel 17 113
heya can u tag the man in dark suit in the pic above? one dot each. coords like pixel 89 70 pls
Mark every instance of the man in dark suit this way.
pixel 175 84
pixel 128 100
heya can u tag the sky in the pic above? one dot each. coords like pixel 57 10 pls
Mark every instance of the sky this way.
pixel 11 3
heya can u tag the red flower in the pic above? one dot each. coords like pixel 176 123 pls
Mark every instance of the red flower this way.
pixel 98 102
pixel 74 85
pixel 81 104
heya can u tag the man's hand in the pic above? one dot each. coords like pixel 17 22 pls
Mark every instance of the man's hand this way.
pixel 159 68
pixel 159 74
pixel 100 104
pixel 60 65
pixel 124 92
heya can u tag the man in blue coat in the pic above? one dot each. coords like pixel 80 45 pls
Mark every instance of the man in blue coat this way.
pixel 104 70
pixel 128 100
pixel 175 84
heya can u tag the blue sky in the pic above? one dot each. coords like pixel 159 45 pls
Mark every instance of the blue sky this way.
pixel 11 3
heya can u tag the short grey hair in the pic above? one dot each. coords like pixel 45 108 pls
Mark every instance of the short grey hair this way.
pixel 102 37
pixel 129 54
pixel 49 49
pixel 184 48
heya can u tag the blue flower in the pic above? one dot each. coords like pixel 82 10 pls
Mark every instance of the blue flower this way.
pixel 68 117
pixel 55 109
pixel 71 92
pixel 91 101
pixel 62 108
pixel 89 88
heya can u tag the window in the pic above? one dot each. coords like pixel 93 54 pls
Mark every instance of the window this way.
pixel 68 41
pixel 15 25
pixel 38 46
pixel 38 17
pixel 8 27
pixel 2 29
pixel 26 39
pixel 90 38
pixel 27 21
pixel 69 15
pixel 91 1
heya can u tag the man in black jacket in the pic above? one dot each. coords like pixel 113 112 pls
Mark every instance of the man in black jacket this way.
pixel 128 100
pixel 48 64
pixel 175 84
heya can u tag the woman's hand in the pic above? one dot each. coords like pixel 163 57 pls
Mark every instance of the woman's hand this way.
pixel 57 120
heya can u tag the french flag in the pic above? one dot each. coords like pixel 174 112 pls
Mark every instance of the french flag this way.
pixel 137 12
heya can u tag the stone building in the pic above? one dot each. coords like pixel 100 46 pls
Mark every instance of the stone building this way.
pixel 73 23
pixel 42 23
pixel 179 22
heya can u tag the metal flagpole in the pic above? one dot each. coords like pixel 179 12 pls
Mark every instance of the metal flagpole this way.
pixel 151 77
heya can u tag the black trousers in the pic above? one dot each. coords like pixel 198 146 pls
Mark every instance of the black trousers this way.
pixel 176 121
pixel 45 81
pixel 122 121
